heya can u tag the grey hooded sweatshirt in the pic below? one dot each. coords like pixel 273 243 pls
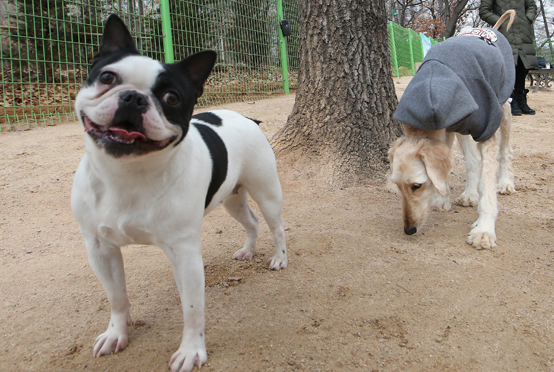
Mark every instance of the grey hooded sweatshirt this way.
pixel 461 85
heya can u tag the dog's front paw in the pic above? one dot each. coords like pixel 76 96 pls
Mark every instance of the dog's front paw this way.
pixel 441 203
pixel 245 253
pixel 481 239
pixel 184 359
pixel 115 338
pixel 468 199
pixel 278 262
pixel 506 187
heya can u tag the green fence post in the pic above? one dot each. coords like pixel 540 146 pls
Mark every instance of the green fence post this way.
pixel 283 49
pixel 393 49
pixel 166 30
pixel 422 47
pixel 410 40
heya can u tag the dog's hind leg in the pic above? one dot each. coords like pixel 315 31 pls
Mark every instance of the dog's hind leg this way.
pixel 107 263
pixel 237 206
pixel 470 196
pixel 270 200
pixel 483 233
pixel 505 155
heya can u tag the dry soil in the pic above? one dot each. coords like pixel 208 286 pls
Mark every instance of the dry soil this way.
pixel 358 294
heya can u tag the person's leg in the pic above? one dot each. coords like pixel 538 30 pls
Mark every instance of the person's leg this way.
pixel 520 93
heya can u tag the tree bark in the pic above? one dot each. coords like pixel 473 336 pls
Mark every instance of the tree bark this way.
pixel 451 24
pixel 341 121
pixel 545 25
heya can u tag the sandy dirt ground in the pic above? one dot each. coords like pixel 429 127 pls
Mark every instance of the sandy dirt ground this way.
pixel 358 295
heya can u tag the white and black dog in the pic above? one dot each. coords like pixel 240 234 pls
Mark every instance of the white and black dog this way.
pixel 151 172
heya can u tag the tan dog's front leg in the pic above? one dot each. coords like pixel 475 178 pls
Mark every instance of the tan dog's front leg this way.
pixel 470 196
pixel 506 178
pixel 483 235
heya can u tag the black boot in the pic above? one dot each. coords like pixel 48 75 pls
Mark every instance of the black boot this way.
pixel 521 98
pixel 516 111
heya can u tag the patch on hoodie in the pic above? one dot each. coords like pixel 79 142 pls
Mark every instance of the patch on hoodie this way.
pixel 482 33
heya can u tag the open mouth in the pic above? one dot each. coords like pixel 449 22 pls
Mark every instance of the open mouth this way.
pixel 124 136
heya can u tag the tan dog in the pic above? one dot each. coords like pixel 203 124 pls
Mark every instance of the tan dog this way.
pixel 421 159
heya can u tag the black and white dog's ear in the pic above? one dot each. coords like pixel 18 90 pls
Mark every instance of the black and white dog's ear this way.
pixel 116 38
pixel 198 67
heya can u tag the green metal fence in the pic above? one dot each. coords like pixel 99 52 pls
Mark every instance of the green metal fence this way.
pixel 545 49
pixel 407 48
pixel 46 46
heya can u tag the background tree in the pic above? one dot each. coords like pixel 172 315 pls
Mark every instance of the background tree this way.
pixel 404 12
pixel 543 32
pixel 437 14
pixel 342 117
pixel 435 18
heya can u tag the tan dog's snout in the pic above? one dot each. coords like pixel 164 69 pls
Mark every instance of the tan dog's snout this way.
pixel 420 169
pixel 411 223
pixel 410 230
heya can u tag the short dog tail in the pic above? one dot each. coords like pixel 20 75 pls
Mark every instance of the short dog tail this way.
pixel 254 120
pixel 509 13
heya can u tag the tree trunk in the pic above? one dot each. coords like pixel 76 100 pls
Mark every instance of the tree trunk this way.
pixel 341 122
pixel 546 27
pixel 451 24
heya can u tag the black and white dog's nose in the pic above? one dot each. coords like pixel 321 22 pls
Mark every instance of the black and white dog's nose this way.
pixel 135 99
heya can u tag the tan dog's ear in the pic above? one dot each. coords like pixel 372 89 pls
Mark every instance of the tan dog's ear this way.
pixel 437 158
pixel 394 146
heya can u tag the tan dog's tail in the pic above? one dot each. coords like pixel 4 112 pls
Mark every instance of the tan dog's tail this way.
pixel 511 13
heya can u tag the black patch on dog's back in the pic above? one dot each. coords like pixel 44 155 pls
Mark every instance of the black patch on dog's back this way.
pixel 209 117
pixel 218 152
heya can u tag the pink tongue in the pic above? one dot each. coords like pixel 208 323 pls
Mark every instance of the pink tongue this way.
pixel 123 134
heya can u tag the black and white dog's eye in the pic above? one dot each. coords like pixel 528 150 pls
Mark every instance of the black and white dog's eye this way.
pixel 171 99
pixel 416 186
pixel 107 78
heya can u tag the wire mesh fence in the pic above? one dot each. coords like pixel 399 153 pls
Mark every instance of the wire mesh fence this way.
pixel 545 49
pixel 46 46
pixel 407 49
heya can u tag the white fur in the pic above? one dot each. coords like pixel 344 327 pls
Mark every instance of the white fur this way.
pixel 138 73
pixel 159 199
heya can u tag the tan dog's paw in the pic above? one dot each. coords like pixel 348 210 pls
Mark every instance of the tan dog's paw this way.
pixel 441 203
pixel 481 239
pixel 506 188
pixel 468 200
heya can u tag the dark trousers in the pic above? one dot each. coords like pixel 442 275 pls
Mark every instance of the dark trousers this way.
pixel 521 74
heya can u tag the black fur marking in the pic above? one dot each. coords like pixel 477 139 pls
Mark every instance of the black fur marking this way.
pixel 98 65
pixel 129 112
pixel 254 120
pixel 210 118
pixel 218 152
pixel 173 80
